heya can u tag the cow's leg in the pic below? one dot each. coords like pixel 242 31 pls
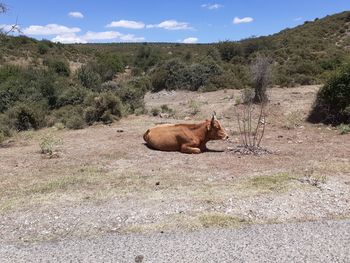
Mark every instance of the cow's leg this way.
pixel 188 149
pixel 203 147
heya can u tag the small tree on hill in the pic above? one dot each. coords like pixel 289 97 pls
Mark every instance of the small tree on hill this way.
pixel 260 71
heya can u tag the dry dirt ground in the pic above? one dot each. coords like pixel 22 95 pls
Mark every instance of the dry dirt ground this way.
pixel 105 180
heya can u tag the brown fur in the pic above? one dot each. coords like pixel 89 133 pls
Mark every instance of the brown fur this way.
pixel 186 138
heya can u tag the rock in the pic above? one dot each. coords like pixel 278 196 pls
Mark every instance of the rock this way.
pixel 120 130
pixel 139 258
pixel 157 183
pixel 164 115
pixel 187 118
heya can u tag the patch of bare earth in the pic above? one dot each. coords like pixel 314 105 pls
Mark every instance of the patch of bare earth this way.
pixel 106 180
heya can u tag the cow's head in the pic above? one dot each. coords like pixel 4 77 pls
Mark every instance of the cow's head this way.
pixel 215 130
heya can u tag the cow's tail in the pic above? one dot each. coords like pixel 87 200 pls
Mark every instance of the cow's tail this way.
pixel 146 136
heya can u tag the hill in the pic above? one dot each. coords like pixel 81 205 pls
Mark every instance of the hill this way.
pixel 44 83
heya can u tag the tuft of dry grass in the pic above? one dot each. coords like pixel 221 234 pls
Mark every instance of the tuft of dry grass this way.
pixel 48 144
pixel 293 120
pixel 194 107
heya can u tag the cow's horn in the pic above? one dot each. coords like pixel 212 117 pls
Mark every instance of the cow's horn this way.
pixel 214 115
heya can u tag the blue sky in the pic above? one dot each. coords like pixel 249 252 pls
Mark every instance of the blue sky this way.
pixel 161 21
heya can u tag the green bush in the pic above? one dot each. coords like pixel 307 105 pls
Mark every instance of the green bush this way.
pixel 332 105
pixel 25 116
pixel 146 58
pixel 175 74
pixel 75 122
pixel 228 50
pixel 104 107
pixel 42 48
pixel 22 85
pixel 107 65
pixel 344 128
pixel 133 92
pixel 58 65
pixel 70 94
pixel 68 115
pixel 89 78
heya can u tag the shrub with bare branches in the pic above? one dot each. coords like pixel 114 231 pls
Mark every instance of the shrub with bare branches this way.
pixel 251 115
pixel 251 121
pixel 12 28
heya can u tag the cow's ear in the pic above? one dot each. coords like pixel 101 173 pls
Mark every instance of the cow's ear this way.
pixel 213 118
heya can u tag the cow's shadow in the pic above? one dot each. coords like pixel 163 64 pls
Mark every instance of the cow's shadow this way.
pixel 206 150
pixel 214 151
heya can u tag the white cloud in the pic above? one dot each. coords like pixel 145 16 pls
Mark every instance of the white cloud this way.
pixel 97 36
pixel 212 6
pixel 171 25
pixel 50 29
pixel 131 38
pixel 190 40
pixel 238 20
pixel 297 18
pixel 69 38
pixel 127 24
pixel 108 35
pixel 76 14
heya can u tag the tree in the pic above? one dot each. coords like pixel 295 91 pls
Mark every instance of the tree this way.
pixel 260 70
pixel 332 104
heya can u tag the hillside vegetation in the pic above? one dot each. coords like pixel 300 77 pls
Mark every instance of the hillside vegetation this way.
pixel 44 83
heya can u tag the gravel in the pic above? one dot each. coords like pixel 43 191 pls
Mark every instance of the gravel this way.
pixel 320 241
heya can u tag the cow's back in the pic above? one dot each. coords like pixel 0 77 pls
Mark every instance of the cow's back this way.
pixel 164 137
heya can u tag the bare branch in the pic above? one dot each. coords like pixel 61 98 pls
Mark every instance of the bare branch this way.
pixel 12 28
pixel 3 8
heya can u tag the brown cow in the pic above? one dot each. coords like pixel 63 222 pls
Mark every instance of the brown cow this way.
pixel 186 138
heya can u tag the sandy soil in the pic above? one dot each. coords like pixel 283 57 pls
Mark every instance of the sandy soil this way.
pixel 106 180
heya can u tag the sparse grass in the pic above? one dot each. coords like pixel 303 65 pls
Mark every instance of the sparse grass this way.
pixel 58 184
pixel 313 178
pixel 220 220
pixel 238 100
pixel 194 107
pixel 270 183
pixel 331 167
pixel 293 120
pixel 25 135
pixel 189 223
